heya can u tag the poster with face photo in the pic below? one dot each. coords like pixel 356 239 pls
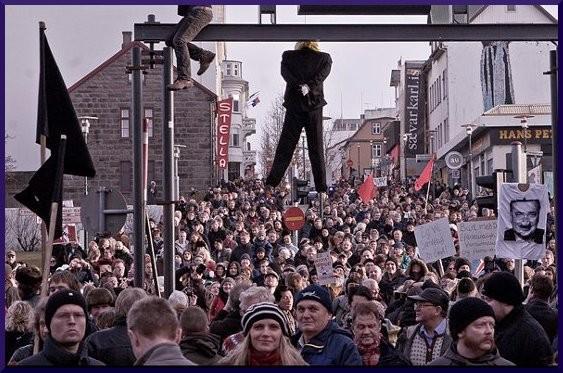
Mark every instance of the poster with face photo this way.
pixel 522 218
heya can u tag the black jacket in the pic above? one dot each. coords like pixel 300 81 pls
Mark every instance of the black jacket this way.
pixel 226 324
pixel 305 66
pixel 453 358
pixel 390 357
pixel 522 340
pixel 201 349
pixel 53 355
pixel 112 346
pixel 15 340
pixel 545 315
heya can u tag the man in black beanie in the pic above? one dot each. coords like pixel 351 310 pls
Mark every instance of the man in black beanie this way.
pixel 519 337
pixel 65 318
pixel 472 328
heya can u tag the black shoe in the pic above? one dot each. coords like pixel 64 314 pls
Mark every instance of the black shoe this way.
pixel 204 61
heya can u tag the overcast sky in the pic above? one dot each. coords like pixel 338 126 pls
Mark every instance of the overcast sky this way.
pixel 82 37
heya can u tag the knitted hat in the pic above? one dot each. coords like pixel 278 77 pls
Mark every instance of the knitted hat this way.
pixel 504 287
pixel 264 311
pixel 244 256
pixel 316 293
pixel 61 298
pixel 465 311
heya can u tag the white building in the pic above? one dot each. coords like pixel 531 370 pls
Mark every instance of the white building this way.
pixel 466 81
pixel 242 159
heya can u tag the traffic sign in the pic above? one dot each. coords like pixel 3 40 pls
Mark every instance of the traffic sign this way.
pixel 95 217
pixel 454 160
pixel 294 218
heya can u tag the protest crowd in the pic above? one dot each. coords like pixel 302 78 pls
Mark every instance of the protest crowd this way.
pixel 248 294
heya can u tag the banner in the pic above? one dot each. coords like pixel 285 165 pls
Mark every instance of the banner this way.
pixel 434 240
pixel 224 113
pixel 414 104
pixel 477 238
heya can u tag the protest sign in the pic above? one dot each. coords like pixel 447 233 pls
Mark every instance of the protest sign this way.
pixel 323 265
pixel 380 181
pixel 434 240
pixel 477 238
pixel 522 220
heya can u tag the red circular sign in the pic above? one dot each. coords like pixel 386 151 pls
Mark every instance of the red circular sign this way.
pixel 294 218
pixel 349 163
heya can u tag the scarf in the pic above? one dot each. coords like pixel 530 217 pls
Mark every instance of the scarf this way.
pixel 370 353
pixel 256 358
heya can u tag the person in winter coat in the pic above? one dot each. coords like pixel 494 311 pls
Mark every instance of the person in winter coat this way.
pixel 393 277
pixel 154 331
pixel 266 339
pixel 227 321
pixel 112 346
pixel 19 327
pixel 220 300
pixel 197 344
pixel 472 327
pixel 518 336
pixel 65 318
pixel 320 340
pixel 369 337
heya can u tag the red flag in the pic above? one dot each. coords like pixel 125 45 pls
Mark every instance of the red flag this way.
pixel 425 176
pixel 367 190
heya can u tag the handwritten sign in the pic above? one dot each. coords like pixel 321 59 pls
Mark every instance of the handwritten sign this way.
pixel 380 181
pixel 323 264
pixel 434 240
pixel 477 239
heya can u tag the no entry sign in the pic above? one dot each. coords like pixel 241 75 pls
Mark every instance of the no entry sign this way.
pixel 294 218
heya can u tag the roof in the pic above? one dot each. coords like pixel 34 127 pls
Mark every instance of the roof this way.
pixel 480 10
pixel 519 109
pixel 114 58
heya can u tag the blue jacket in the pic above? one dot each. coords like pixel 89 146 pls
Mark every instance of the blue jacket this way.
pixel 332 346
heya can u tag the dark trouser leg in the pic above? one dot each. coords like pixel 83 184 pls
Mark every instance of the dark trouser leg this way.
pixel 292 125
pixel 186 31
pixel 314 131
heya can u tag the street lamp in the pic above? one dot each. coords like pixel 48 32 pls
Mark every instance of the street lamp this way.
pixel 469 131
pixel 524 124
pixel 177 148
pixel 304 164
pixel 85 126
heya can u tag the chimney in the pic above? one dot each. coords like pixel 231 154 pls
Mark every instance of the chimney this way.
pixel 127 37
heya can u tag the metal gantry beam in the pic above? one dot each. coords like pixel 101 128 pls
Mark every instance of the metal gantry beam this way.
pixel 357 32
pixel 364 10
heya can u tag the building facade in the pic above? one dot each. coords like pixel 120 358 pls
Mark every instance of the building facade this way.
pixel 105 93
pixel 486 85
pixel 242 158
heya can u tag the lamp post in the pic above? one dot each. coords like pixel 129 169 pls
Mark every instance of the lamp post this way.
pixel 524 124
pixel 372 158
pixel 469 131
pixel 177 149
pixel 85 126
pixel 406 137
pixel 359 162
pixel 304 164
pixel 432 151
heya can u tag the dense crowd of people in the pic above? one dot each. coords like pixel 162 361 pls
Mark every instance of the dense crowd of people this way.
pixel 247 293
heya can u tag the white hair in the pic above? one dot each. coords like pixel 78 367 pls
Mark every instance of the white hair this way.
pixel 178 298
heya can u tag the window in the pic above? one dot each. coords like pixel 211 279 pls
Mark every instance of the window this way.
pixel 236 99
pixel 439 86
pixel 125 176
pixel 446 130
pixel 376 128
pixel 235 138
pixel 124 120
pixel 235 69
pixel 352 127
pixel 445 77
pixel 511 8
pixel 228 69
pixel 248 147
pixel 376 151
pixel 150 123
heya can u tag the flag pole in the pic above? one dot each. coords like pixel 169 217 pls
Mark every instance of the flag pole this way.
pixel 428 190
pixel 42 158
pixel 57 191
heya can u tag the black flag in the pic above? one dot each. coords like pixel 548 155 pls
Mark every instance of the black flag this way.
pixel 55 117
